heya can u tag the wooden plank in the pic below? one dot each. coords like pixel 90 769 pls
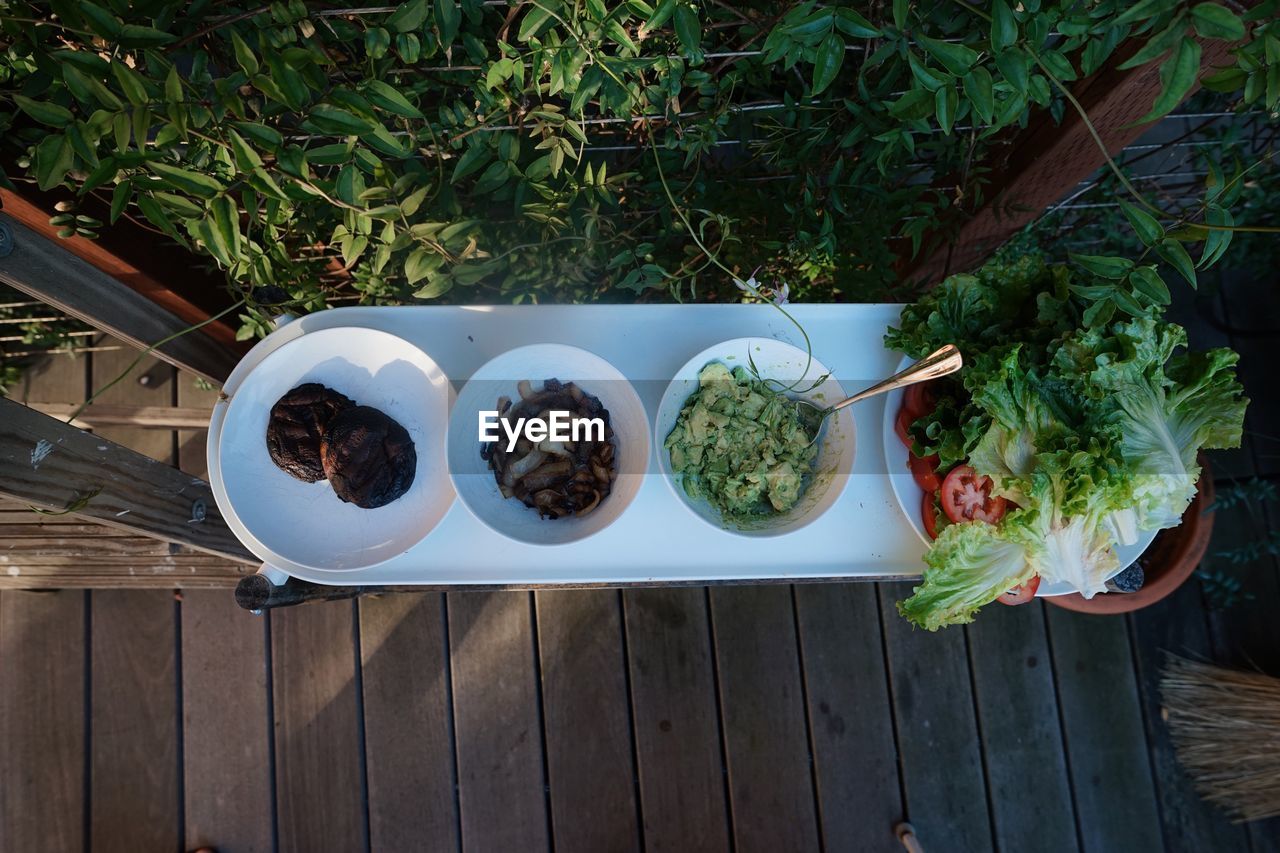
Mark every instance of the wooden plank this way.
pixel 941 765
pixel 138 493
pixel 684 805
pixel 82 572
pixel 408 723
pixel 163 263
pixel 1049 159
pixel 226 725
pixel 1178 625
pixel 134 758
pixel 320 789
pixel 587 720
pixel 44 270
pixel 146 417
pixel 34 547
pixel 1111 775
pixel 42 720
pixel 763 712
pixel 855 756
pixel 501 776
pixel 1017 703
pixel 197 396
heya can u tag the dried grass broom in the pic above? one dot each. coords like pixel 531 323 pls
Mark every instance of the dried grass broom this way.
pixel 1225 725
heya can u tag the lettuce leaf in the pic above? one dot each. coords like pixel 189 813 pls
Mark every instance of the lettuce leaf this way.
pixel 970 565
pixel 1084 408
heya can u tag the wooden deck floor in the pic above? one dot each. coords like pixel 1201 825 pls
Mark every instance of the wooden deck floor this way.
pixel 767 718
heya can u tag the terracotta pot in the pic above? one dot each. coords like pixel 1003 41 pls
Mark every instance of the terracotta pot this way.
pixel 1171 558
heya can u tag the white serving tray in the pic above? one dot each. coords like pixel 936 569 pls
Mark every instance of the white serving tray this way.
pixel 864 535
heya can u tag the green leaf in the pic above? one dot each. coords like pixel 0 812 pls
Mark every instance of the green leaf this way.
pixel 121 128
pixel 1144 9
pixel 1177 77
pixel 417 265
pixel 437 286
pixel 471 160
pixel 130 81
pixel 106 171
pixel 956 58
pixel 448 19
pixel 377 42
pixel 900 8
pixel 1014 65
pixel 337 120
pixel 173 86
pixel 688 29
pixel 350 184
pixel 1004 27
pixel 119 199
pixel 851 23
pixel 247 160
pixel 100 20
pixel 928 78
pixel 661 14
pixel 44 112
pixel 386 97
pixel 914 104
pixel 1148 282
pixel 946 102
pixel 1176 254
pixel 1216 22
pixel 1058 65
pixel 226 218
pixel 1146 226
pixel 266 137
pixel 977 88
pixel 245 57
pixel 1158 45
pixel 827 62
pixel 135 35
pixel 408 16
pixel 1106 267
pixel 195 183
pixel 536 21
pixel 156 215
pixel 53 159
pixel 1224 80
pixel 1218 239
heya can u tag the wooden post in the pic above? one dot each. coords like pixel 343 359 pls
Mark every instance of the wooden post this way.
pixel 46 271
pixel 54 466
pixel 157 269
pixel 1049 159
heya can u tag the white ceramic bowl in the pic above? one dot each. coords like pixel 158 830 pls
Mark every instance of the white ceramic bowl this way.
pixel 474 481
pixel 786 363
pixel 284 520
pixel 911 497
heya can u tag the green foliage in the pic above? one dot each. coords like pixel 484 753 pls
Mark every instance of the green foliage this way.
pixel 456 149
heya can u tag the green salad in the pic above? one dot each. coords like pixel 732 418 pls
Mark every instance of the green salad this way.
pixel 1082 406
pixel 740 445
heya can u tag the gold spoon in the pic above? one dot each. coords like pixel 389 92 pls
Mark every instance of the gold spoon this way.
pixel 939 363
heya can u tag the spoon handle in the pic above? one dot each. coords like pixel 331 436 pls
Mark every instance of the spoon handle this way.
pixel 940 363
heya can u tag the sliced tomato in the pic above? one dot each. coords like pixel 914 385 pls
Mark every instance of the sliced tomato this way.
pixel 902 426
pixel 967 497
pixel 924 471
pixel 1021 594
pixel 929 514
pixel 920 399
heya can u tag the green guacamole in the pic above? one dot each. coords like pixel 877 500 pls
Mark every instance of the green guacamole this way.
pixel 740 445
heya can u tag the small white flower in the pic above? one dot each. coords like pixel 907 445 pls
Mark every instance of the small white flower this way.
pixel 748 286
pixel 781 295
